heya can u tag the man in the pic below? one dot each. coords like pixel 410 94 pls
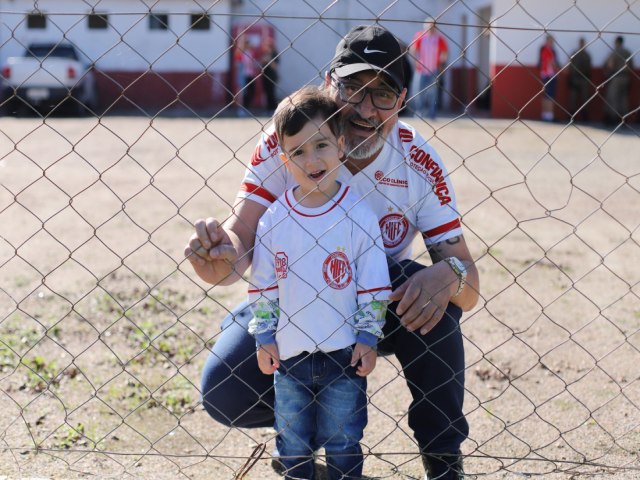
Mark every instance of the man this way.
pixel 580 81
pixel 430 51
pixel 548 65
pixel 618 71
pixel 404 181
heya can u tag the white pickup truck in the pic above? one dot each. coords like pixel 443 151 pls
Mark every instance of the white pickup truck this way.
pixel 48 77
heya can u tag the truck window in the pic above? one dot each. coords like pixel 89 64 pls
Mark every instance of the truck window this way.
pixel 60 51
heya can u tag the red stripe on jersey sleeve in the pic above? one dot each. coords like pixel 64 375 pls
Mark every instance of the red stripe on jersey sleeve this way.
pixel 447 227
pixel 256 190
pixel 381 289
pixel 263 290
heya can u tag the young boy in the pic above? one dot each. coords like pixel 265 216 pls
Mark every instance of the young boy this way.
pixel 319 290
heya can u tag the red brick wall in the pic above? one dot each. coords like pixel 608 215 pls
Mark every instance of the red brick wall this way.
pixel 154 91
pixel 517 91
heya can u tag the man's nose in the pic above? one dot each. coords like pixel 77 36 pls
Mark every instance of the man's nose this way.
pixel 366 108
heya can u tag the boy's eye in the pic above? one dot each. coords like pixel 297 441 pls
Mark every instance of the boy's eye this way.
pixel 323 145
pixel 295 153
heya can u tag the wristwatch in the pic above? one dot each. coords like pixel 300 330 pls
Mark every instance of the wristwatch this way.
pixel 460 270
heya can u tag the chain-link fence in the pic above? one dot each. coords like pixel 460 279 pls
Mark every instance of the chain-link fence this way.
pixel 125 121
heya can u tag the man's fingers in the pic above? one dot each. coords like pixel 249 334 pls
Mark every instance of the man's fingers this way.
pixel 427 327
pixel 398 293
pixel 428 318
pixel 411 294
pixel 417 317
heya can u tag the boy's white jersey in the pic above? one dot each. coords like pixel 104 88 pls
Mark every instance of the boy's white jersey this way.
pixel 320 263
pixel 407 187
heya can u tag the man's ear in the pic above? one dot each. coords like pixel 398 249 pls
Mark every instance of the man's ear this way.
pixel 403 95
pixel 327 79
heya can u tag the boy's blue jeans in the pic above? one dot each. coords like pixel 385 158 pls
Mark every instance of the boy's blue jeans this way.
pixel 320 402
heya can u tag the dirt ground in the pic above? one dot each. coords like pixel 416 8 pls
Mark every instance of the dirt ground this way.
pixel 104 328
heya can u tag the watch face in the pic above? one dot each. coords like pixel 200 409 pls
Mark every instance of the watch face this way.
pixel 457 265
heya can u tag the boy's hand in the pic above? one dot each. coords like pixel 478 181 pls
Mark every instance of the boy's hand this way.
pixel 268 358
pixel 366 356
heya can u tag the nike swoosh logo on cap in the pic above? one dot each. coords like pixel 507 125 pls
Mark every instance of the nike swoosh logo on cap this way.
pixel 366 50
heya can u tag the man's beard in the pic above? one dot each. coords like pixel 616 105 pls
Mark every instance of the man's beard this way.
pixel 361 148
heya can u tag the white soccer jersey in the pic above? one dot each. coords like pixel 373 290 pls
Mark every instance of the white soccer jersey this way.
pixel 407 187
pixel 320 263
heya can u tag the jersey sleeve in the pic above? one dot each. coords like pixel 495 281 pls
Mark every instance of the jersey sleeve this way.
pixel 434 199
pixel 372 270
pixel 372 279
pixel 263 286
pixel 262 281
pixel 265 178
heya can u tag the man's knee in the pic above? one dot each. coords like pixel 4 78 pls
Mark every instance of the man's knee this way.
pixel 217 400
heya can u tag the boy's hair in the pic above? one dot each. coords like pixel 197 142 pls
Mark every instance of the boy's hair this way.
pixel 304 105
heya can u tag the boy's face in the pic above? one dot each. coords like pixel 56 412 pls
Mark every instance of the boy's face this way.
pixel 313 157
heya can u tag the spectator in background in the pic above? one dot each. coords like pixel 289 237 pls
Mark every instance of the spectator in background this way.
pixel 548 64
pixel 617 70
pixel 238 71
pixel 269 64
pixel 251 70
pixel 430 51
pixel 579 81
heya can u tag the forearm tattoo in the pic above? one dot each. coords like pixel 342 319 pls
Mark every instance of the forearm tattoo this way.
pixel 437 250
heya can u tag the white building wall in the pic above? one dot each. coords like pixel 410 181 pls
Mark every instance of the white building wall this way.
pixel 129 44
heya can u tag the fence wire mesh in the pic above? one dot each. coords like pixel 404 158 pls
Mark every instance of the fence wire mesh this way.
pixel 107 161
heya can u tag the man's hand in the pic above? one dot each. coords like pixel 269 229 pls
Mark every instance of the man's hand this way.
pixel 366 356
pixel 211 251
pixel 268 358
pixel 424 297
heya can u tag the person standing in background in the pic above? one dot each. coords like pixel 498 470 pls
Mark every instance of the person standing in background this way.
pixel 238 72
pixel 548 64
pixel 270 73
pixel 617 70
pixel 251 69
pixel 430 51
pixel 579 81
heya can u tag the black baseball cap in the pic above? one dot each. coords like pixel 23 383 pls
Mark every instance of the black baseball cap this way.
pixel 369 47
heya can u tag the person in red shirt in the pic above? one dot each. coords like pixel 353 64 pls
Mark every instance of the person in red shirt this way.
pixel 430 51
pixel 548 64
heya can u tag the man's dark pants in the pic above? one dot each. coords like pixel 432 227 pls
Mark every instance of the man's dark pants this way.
pixel 236 393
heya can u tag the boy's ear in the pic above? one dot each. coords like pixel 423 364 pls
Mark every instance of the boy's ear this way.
pixel 341 141
pixel 285 160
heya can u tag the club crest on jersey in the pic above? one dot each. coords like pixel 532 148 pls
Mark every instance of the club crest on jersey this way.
pixel 336 270
pixel 394 228
pixel 282 265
